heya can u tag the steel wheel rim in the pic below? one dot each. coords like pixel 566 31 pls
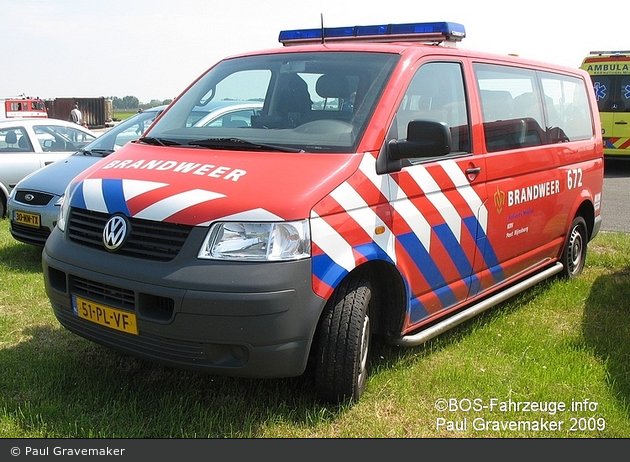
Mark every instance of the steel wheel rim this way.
pixel 575 250
pixel 363 351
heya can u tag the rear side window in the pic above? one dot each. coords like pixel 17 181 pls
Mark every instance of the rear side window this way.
pixel 14 139
pixel 567 108
pixel 523 107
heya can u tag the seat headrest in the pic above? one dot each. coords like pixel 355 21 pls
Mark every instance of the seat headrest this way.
pixel 333 86
pixel 10 137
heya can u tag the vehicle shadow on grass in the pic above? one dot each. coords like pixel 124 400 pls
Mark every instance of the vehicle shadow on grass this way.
pixel 606 329
pixel 20 257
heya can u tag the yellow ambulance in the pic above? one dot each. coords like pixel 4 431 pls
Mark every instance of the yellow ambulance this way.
pixel 610 73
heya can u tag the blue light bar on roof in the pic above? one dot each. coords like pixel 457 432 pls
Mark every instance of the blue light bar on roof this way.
pixel 415 32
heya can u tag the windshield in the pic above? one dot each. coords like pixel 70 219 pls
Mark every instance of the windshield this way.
pixel 119 135
pixel 313 102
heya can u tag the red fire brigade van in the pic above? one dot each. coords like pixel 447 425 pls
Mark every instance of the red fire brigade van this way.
pixel 22 106
pixel 391 186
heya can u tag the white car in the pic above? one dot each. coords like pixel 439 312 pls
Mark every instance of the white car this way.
pixel 224 114
pixel 26 145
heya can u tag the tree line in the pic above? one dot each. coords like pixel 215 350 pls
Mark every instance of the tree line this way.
pixel 131 102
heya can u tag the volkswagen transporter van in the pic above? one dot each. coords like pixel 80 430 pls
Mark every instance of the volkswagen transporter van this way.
pixel 391 186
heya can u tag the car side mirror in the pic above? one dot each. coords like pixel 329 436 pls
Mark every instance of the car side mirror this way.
pixel 425 138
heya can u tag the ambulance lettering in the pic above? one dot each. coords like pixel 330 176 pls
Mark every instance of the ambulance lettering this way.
pixel 530 193
pixel 222 172
pixel 614 68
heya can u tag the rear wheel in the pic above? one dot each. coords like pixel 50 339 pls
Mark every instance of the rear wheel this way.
pixel 344 340
pixel 574 254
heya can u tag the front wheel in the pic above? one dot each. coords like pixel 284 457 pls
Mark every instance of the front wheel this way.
pixel 574 253
pixel 344 340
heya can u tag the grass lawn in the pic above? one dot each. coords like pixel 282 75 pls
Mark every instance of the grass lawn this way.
pixel 552 362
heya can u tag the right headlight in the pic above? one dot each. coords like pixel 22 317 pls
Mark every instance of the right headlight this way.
pixel 257 241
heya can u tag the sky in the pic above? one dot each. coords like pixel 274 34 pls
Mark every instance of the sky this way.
pixel 153 49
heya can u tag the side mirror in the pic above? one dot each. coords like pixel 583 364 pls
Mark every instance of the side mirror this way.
pixel 425 138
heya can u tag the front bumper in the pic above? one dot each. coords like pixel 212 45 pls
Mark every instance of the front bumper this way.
pixel 48 213
pixel 232 318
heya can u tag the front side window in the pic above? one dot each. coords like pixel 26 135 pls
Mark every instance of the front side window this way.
pixel 312 102
pixel 436 93
pixel 56 138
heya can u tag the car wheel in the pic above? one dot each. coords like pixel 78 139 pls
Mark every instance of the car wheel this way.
pixel 344 341
pixel 574 253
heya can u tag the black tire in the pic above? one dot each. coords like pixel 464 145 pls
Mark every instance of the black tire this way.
pixel 574 253
pixel 343 343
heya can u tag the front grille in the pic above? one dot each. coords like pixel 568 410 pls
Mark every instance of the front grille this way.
pixel 29 234
pixel 38 198
pixel 151 240
pixel 106 294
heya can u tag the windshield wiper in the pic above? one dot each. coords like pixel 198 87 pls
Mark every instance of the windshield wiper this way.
pixel 99 152
pixel 158 141
pixel 237 143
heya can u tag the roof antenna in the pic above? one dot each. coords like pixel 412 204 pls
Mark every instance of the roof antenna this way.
pixel 322 21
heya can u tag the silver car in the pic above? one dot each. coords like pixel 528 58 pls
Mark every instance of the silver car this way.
pixel 33 205
pixel 26 145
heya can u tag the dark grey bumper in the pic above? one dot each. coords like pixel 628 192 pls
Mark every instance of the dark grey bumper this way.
pixel 239 319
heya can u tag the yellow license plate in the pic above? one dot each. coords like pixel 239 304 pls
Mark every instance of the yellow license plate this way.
pixel 105 315
pixel 29 219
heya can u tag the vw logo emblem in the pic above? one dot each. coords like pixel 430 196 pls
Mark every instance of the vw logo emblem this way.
pixel 29 197
pixel 115 232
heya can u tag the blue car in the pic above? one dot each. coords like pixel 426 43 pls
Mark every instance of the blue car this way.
pixel 34 203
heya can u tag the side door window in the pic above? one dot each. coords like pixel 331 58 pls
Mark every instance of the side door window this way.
pixel 567 107
pixel 14 139
pixel 16 156
pixel 61 139
pixel 512 111
pixel 437 93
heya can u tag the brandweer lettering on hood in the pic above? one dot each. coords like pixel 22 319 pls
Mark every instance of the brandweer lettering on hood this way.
pixel 226 173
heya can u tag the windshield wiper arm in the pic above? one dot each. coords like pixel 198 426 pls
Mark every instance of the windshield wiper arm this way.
pixel 237 143
pixel 101 152
pixel 158 141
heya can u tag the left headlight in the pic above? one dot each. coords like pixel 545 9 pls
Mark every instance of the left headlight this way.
pixel 64 207
pixel 257 241
pixel 63 211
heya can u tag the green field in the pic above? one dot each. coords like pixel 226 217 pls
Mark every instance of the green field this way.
pixel 552 362
pixel 120 115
